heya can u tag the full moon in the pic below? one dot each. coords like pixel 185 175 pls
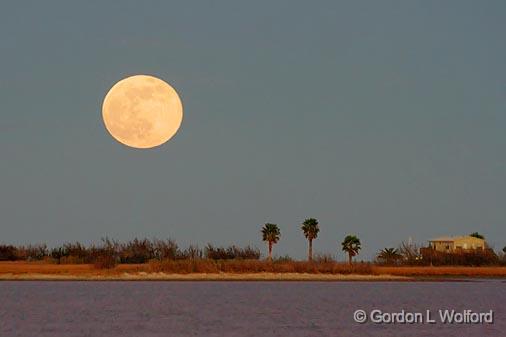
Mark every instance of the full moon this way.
pixel 142 111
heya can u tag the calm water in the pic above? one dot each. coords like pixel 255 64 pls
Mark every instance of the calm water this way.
pixel 145 309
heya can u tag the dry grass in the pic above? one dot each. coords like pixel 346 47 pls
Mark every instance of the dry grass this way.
pixel 19 268
pixel 443 271
pixel 257 266
pixel 43 268
pixel 234 270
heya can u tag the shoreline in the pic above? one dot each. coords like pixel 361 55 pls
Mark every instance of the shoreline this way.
pixel 142 276
pixel 36 271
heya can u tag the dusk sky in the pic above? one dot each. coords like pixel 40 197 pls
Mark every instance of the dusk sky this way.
pixel 384 119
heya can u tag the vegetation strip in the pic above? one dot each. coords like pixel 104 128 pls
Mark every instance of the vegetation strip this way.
pixel 167 257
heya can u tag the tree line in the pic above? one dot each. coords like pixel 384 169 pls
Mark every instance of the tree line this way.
pixel 110 252
pixel 144 250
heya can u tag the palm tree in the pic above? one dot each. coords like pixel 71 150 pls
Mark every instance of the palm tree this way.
pixel 477 235
pixel 310 229
pixel 351 245
pixel 389 255
pixel 270 234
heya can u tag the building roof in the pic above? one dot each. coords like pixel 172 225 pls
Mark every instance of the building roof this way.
pixel 452 238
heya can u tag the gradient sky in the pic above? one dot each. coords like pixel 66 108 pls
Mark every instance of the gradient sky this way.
pixel 384 119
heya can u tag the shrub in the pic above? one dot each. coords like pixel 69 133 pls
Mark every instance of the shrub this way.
pixel 137 251
pixel 231 252
pixel 285 258
pixel 323 258
pixel 8 253
pixel 388 256
pixel 165 249
pixel 465 258
pixel 410 253
pixel 33 252
pixel 192 253
pixel 75 253
pixel 57 253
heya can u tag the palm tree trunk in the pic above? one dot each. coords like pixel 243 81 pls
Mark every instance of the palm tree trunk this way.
pixel 310 252
pixel 349 258
pixel 270 250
